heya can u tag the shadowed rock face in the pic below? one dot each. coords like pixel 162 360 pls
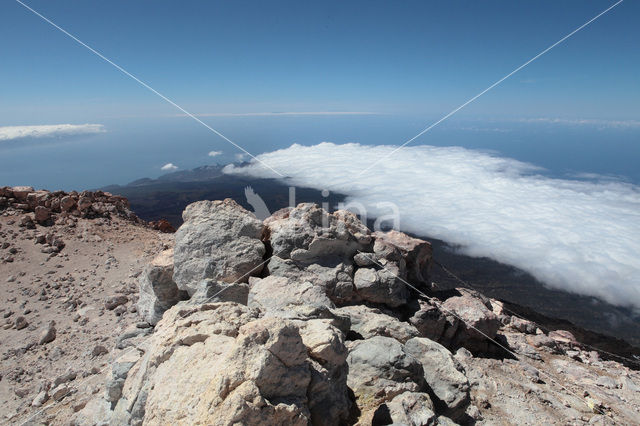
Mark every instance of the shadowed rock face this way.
pixel 158 291
pixel 329 333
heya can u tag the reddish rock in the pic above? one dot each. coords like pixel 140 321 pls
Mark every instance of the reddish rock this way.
pixel 84 203
pixel 43 214
pixel 162 225
pixel 563 336
pixel 67 203
pixel 415 252
pixel 27 222
pixel 6 191
pixel 21 192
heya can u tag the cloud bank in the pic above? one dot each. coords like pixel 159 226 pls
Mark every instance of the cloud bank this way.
pixel 169 167
pixel 8 133
pixel 578 236
pixel 277 114
pixel 584 122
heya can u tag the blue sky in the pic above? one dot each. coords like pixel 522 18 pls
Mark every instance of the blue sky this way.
pixel 397 57
pixel 411 61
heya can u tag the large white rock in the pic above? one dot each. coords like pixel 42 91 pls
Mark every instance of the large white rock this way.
pixel 281 296
pixel 220 364
pixel 218 240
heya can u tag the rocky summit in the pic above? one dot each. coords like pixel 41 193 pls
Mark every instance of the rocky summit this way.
pixel 304 318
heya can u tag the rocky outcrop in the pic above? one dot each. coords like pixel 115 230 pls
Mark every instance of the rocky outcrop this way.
pixel 331 331
pixel 49 207
pixel 218 240
pixel 416 253
pixel 232 367
pixel 310 244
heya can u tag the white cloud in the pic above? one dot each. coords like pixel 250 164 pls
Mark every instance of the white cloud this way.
pixel 169 167
pixel 574 235
pixel 8 133
pixel 241 156
pixel 276 114
pixel 214 153
pixel 584 122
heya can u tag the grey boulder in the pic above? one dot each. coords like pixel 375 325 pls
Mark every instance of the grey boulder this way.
pixel 219 240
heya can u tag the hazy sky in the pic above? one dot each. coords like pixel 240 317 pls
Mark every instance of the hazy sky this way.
pixel 381 56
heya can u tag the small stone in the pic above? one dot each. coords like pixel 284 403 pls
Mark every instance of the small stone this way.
pixel 21 323
pixel 40 399
pixel 99 350
pixel 114 301
pixel 48 334
pixel 60 392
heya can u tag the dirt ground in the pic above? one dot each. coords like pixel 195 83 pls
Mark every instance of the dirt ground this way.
pixel 89 289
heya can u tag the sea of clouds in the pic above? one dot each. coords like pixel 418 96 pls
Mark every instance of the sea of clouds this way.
pixel 8 133
pixel 580 236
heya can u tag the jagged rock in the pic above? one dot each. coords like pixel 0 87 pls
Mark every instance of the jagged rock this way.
pixel 477 322
pixel 429 320
pixel 368 322
pixel 380 369
pixel 307 233
pixel 158 291
pixel 334 276
pixel 518 343
pixel 522 325
pixel 280 296
pixel 310 244
pixel 408 408
pixel 329 402
pixel 230 368
pixel 119 372
pixel 218 240
pixel 444 375
pixel 416 253
pixel 381 286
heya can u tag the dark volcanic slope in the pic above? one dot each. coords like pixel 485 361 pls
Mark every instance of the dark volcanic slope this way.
pixel 167 196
